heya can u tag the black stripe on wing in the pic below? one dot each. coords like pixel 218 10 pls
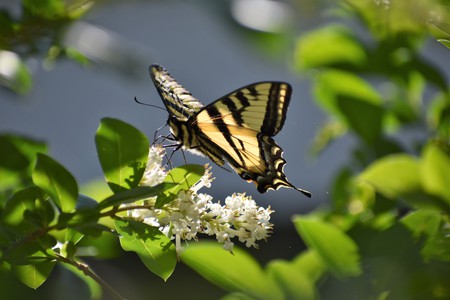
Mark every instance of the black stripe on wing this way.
pixel 260 106
pixel 274 177
pixel 277 104
pixel 223 128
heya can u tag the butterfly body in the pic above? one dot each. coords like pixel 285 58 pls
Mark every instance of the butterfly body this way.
pixel 237 128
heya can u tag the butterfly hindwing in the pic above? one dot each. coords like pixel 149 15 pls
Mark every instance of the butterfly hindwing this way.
pixel 243 123
pixel 254 156
pixel 237 128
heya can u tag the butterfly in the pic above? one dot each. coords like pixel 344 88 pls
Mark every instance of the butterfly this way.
pixel 237 128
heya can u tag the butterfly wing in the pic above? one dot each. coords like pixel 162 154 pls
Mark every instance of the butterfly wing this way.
pixel 179 102
pixel 260 106
pixel 181 106
pixel 240 127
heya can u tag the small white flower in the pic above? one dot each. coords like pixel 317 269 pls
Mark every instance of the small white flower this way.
pixel 154 171
pixel 193 213
pixel 205 181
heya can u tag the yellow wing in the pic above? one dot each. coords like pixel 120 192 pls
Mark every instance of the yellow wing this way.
pixel 239 127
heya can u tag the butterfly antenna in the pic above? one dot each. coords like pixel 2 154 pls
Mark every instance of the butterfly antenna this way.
pixel 148 104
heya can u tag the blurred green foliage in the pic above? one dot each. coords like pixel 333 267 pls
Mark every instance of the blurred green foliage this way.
pixel 37 32
pixel 385 234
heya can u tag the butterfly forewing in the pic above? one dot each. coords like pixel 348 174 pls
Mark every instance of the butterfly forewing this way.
pixel 237 127
pixel 178 101
pixel 259 106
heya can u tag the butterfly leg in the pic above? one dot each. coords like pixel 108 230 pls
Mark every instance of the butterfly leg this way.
pixel 156 132
pixel 184 157
pixel 169 158
pixel 160 139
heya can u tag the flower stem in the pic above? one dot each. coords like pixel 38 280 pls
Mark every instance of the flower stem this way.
pixel 83 267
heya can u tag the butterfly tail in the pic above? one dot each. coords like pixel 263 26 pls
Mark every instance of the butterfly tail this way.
pixel 304 192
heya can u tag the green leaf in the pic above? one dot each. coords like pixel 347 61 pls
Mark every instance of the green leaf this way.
pixel 293 281
pixel 123 152
pixel 11 157
pixel 27 146
pixel 444 42
pixel 23 250
pixel 44 213
pixel 17 159
pixel 50 9
pixel 429 71
pixel 18 152
pixel 435 172
pixel 237 272
pixel 73 236
pixel 96 189
pixel 105 246
pixel 340 191
pixel 33 275
pixel 391 19
pixel 328 133
pixel 363 117
pixel 392 262
pixel 423 221
pixel 436 247
pixel 56 181
pixel 68 250
pixel 438 27
pixel 337 250
pixel 16 76
pixel 353 100
pixel 137 193
pixel 77 56
pixel 23 200
pixel 334 85
pixel 237 296
pixel 155 249
pixel 438 114
pixel 327 47
pixel 182 178
pixel 393 175
pixel 92 229
pixel 185 177
pixel 87 211
pixel 310 264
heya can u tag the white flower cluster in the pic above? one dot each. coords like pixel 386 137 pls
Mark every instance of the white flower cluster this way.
pixel 154 171
pixel 192 212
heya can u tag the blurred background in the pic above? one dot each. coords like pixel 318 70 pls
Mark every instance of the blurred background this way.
pixel 211 48
pixel 207 48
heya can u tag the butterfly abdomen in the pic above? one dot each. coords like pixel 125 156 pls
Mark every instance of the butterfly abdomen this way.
pixel 187 137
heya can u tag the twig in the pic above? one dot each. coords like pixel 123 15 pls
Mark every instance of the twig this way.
pixel 88 272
